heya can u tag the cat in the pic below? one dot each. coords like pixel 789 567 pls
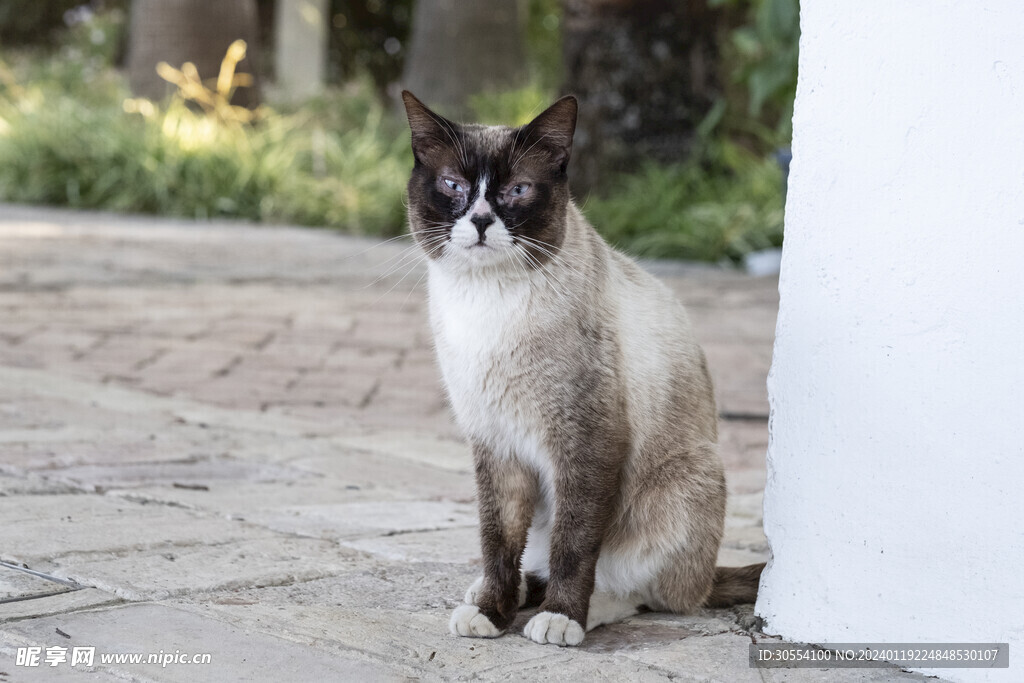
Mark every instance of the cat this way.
pixel 577 381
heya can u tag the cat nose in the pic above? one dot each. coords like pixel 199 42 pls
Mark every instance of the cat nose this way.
pixel 481 221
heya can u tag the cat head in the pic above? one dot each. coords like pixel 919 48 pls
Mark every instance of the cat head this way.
pixel 490 196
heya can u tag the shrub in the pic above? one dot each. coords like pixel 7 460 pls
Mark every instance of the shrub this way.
pixel 722 205
pixel 109 151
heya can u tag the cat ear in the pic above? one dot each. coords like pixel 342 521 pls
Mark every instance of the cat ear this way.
pixel 431 132
pixel 553 129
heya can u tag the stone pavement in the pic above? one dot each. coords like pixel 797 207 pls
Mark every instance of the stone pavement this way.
pixel 231 439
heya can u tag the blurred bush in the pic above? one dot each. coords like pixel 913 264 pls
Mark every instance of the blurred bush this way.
pixel 71 135
pixel 368 37
pixel 719 206
pixel 510 107
pixel 74 137
pixel 758 63
pixel 32 21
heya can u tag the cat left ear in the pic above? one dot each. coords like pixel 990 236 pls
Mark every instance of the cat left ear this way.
pixel 430 132
pixel 553 129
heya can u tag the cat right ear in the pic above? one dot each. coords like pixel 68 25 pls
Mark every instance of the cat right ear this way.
pixel 431 133
pixel 553 129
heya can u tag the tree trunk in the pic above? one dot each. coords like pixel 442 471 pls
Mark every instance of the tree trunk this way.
pixel 645 74
pixel 197 31
pixel 462 47
pixel 300 47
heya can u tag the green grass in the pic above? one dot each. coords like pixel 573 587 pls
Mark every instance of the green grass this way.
pixel 718 207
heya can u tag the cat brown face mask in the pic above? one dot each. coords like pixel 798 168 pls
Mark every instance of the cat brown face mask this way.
pixel 575 376
pixel 501 190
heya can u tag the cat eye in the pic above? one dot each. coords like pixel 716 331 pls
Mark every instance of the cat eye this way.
pixel 453 184
pixel 517 191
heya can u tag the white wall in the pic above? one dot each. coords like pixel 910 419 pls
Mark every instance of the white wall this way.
pixel 895 497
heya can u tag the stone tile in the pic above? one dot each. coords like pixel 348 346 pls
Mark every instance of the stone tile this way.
pixel 424 448
pixel 40 528
pixel 60 603
pixel 171 570
pixel 417 639
pixel 236 654
pixel 19 585
pixel 371 470
pixel 749 537
pixel 458 546
pixel 348 521
pixel 745 509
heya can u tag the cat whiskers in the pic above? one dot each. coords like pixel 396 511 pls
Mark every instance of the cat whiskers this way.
pixel 415 286
pixel 432 227
pixel 550 280
pixel 550 251
pixel 435 244
pixel 437 235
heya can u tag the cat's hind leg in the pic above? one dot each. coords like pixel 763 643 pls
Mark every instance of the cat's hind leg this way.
pixel 608 608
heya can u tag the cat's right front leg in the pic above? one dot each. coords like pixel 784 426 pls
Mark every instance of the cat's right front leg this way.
pixel 477 587
pixel 506 495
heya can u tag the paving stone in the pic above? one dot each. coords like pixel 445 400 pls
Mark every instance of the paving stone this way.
pixel 393 475
pixel 347 521
pixel 188 472
pixel 416 447
pixel 17 585
pixel 457 545
pixel 59 603
pixel 39 528
pixel 236 654
pixel 165 571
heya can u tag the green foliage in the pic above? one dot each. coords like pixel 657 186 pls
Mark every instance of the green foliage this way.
pixel 26 21
pixel 727 200
pixel 70 135
pixel 368 37
pixel 759 61
pixel 721 206
pixel 544 43
pixel 102 150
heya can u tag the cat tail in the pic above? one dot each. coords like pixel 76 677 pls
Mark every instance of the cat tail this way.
pixel 734 585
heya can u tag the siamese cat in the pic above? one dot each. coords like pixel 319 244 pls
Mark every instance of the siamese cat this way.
pixel 576 378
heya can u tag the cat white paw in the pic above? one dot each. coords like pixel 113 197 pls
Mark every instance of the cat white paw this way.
pixel 557 629
pixel 477 586
pixel 469 622
pixel 474 590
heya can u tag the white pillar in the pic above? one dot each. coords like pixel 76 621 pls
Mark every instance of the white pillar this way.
pixel 301 47
pixel 895 497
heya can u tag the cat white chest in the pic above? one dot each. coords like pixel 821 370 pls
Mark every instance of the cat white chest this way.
pixel 479 327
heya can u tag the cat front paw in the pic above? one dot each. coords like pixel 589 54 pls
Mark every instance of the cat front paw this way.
pixel 554 628
pixel 467 621
pixel 474 591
